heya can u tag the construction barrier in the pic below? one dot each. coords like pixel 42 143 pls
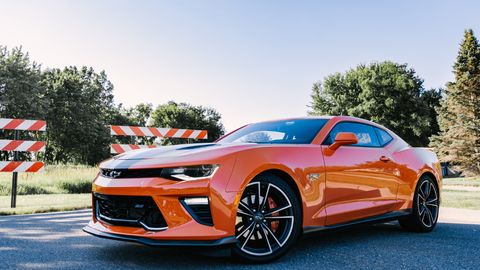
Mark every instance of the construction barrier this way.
pixel 19 145
pixel 21 166
pixel 20 124
pixel 16 145
pixel 151 132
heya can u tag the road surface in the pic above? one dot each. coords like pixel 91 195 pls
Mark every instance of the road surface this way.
pixel 49 241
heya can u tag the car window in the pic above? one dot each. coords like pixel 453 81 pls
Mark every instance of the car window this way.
pixel 365 134
pixel 383 136
pixel 297 131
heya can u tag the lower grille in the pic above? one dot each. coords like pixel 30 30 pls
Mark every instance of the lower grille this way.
pixel 131 211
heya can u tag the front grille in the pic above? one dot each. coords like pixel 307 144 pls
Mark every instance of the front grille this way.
pixel 130 173
pixel 132 211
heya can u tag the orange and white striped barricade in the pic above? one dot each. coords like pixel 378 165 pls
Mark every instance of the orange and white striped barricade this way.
pixel 151 132
pixel 17 145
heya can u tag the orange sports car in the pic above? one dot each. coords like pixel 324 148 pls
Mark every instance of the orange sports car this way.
pixel 257 189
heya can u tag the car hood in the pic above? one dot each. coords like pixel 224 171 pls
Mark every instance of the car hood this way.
pixel 174 155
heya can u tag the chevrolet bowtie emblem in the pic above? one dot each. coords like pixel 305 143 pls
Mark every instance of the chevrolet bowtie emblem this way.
pixel 114 173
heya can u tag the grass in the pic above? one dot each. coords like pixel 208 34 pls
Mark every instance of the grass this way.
pixel 461 199
pixel 466 199
pixel 462 181
pixel 56 179
pixel 29 204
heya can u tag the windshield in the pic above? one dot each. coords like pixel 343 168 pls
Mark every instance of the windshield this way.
pixel 299 131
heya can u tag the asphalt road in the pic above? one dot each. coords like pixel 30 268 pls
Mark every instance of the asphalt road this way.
pixel 50 241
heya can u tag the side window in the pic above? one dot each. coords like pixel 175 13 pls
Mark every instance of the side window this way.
pixel 365 134
pixel 383 136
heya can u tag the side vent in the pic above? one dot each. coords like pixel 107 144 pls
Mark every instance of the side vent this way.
pixel 199 209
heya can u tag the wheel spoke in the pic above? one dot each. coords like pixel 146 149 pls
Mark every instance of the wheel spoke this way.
pixel 279 217
pixel 276 210
pixel 245 207
pixel 272 234
pixel 257 199
pixel 250 201
pixel 431 201
pixel 262 230
pixel 246 229
pixel 430 217
pixel 240 212
pixel 420 197
pixel 265 198
pixel 421 193
pixel 427 189
pixel 422 210
pixel 249 236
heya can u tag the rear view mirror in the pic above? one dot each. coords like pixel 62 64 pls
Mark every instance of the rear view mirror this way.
pixel 343 138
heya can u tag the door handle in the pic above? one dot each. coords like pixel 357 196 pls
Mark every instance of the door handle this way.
pixel 384 158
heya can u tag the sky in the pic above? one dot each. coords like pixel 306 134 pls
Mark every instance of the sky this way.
pixel 250 60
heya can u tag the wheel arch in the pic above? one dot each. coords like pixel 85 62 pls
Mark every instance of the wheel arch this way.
pixel 289 180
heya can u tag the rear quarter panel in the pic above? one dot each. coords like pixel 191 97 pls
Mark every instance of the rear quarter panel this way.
pixel 412 164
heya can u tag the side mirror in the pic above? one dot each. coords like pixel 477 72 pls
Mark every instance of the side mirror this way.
pixel 343 138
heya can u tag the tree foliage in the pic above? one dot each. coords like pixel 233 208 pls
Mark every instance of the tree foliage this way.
pixel 186 116
pixel 387 93
pixel 77 104
pixel 81 102
pixel 459 113
pixel 21 93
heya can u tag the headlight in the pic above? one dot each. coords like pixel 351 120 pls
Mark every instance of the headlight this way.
pixel 189 172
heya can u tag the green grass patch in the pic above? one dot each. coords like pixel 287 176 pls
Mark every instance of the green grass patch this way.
pixel 462 181
pixel 29 204
pixel 461 199
pixel 56 179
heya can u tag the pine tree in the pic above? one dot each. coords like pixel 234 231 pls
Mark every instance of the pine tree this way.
pixel 459 113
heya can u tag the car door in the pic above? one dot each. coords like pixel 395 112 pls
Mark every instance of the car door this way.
pixel 359 178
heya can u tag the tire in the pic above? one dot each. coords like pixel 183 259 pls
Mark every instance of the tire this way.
pixel 266 228
pixel 426 202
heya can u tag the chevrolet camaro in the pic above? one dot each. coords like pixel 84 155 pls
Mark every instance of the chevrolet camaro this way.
pixel 256 190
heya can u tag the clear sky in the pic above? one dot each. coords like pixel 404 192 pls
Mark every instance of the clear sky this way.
pixel 251 60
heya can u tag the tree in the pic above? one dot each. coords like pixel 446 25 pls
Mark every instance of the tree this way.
pixel 459 113
pixel 21 93
pixel 186 116
pixel 387 93
pixel 139 114
pixel 81 105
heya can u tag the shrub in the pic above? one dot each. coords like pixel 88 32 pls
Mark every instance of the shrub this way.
pixel 23 189
pixel 75 187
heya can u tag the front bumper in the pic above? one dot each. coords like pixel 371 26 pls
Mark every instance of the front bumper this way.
pixel 168 196
pixel 162 243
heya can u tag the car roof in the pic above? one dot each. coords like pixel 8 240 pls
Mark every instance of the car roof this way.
pixel 327 117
